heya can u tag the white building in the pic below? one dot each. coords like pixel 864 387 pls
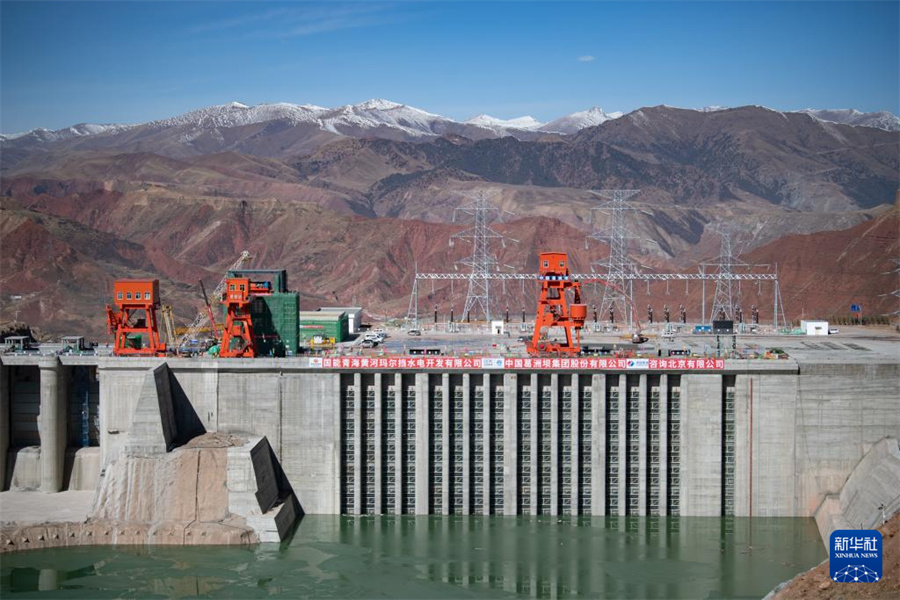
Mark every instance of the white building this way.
pixel 814 327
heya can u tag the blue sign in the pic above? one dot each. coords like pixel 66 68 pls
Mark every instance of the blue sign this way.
pixel 855 556
pixel 856 308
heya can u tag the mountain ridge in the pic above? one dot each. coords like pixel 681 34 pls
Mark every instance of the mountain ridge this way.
pixel 414 121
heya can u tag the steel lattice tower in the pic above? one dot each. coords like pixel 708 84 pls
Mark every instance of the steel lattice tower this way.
pixel 412 315
pixel 617 267
pixel 727 296
pixel 482 261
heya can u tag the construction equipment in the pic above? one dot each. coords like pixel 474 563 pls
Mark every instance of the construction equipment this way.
pixel 209 310
pixel 169 324
pixel 553 309
pixel 321 343
pixel 238 340
pixel 205 315
pixel 133 322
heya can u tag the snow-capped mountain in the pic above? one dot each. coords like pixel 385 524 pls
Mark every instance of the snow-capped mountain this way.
pixel 375 117
pixel 81 130
pixel 845 116
pixel 579 120
pixel 235 114
pixel 848 116
pixel 383 113
pixel 371 114
pixel 282 128
pixel 503 125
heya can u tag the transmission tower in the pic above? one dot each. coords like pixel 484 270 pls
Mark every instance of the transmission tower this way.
pixel 616 296
pixel 412 315
pixel 480 213
pixel 727 297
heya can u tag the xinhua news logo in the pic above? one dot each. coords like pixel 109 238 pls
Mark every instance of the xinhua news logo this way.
pixel 855 556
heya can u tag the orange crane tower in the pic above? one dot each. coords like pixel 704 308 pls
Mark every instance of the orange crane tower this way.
pixel 553 309
pixel 237 338
pixel 133 322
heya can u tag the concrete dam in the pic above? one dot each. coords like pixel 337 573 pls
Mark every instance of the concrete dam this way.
pixel 745 438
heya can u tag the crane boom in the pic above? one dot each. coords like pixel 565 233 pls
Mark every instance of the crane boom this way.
pixel 169 324
pixel 203 316
pixel 209 310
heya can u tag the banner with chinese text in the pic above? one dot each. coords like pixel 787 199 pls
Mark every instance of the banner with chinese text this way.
pixel 526 364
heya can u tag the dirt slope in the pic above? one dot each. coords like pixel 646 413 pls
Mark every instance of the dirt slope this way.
pixel 818 584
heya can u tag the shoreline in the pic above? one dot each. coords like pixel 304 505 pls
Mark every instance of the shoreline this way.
pixel 817 582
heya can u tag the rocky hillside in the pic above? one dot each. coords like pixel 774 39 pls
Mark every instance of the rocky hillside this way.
pixel 349 219
pixel 62 266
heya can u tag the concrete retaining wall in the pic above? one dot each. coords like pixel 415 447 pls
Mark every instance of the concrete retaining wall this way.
pixel 874 482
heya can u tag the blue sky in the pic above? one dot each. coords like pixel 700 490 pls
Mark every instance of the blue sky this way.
pixel 63 63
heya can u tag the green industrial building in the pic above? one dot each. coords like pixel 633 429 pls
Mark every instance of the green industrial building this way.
pixel 275 315
pixel 275 323
pixel 328 324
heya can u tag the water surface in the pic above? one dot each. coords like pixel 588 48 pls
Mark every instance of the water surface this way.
pixel 444 557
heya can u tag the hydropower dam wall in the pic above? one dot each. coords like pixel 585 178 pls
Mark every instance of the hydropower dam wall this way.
pixel 761 438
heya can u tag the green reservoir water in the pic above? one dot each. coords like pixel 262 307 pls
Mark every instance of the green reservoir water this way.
pixel 444 557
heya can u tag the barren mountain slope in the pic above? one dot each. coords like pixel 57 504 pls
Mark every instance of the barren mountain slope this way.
pixel 64 269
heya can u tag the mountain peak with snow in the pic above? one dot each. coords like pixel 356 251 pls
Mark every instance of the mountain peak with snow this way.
pixel 43 135
pixel 850 116
pixel 579 120
pixel 526 123
pixel 378 104
pixel 844 116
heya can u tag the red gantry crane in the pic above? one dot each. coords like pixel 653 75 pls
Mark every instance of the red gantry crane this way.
pixel 237 338
pixel 554 310
pixel 133 322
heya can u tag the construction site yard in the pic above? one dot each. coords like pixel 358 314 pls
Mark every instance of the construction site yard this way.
pixel 851 344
